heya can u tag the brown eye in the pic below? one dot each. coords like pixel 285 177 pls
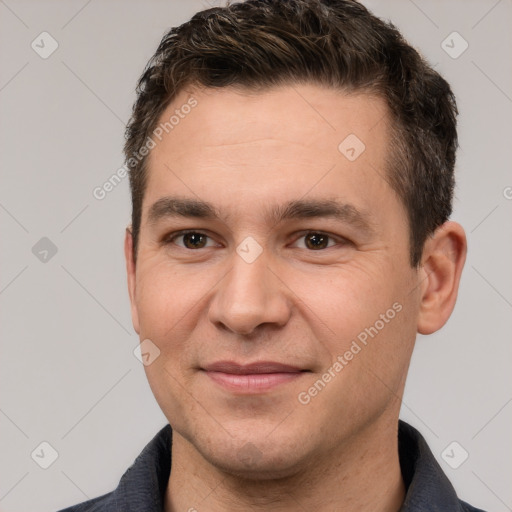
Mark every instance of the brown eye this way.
pixel 190 240
pixel 316 241
pixel 194 240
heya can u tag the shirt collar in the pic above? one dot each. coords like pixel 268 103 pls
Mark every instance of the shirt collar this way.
pixel 428 488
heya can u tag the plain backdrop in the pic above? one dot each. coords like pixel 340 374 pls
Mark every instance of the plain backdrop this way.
pixel 68 373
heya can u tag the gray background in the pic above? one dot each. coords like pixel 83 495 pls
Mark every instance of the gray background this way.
pixel 68 374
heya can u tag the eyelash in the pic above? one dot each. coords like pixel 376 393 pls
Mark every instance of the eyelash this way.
pixel 171 238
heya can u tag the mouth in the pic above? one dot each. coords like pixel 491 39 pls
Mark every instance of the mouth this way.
pixel 252 378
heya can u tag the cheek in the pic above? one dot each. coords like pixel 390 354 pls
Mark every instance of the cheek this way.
pixel 165 299
pixel 168 302
pixel 361 313
pixel 366 353
pixel 344 299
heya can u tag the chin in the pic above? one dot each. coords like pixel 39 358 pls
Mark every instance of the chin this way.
pixel 247 468
pixel 255 457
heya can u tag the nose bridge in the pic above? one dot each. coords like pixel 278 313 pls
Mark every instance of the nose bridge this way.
pixel 250 295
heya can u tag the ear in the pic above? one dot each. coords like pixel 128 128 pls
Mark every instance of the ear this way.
pixel 130 273
pixel 443 258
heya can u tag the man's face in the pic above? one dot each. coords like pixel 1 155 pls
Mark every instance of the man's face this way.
pixel 299 269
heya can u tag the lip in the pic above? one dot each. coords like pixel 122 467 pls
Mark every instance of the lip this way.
pixel 252 378
pixel 257 367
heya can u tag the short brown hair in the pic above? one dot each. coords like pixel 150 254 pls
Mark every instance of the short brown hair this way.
pixel 339 44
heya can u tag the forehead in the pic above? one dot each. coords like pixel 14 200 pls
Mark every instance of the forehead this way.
pixel 297 113
pixel 237 145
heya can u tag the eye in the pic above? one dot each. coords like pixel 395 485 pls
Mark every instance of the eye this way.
pixel 315 241
pixel 190 240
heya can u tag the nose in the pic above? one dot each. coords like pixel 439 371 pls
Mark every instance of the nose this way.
pixel 249 297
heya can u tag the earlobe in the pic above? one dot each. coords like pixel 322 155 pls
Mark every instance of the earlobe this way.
pixel 130 274
pixel 442 263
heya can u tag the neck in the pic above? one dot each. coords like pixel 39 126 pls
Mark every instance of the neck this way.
pixel 364 474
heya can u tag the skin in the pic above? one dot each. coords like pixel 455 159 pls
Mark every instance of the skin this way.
pixel 245 152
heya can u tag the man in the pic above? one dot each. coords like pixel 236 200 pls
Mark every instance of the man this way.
pixel 291 167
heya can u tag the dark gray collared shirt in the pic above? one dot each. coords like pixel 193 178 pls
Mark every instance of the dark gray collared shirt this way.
pixel 142 487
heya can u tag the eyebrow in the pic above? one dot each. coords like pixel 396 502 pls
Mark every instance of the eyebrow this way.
pixel 169 207
pixel 178 207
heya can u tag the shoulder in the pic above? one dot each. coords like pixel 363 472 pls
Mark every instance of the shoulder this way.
pixel 466 507
pixel 428 487
pixel 143 484
pixel 100 504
